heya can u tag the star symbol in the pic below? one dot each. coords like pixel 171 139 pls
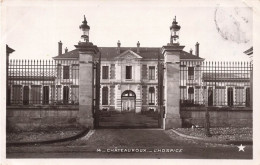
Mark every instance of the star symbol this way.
pixel 241 148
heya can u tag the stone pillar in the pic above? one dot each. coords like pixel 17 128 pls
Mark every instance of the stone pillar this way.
pixel 251 88
pixel 171 54
pixel 87 51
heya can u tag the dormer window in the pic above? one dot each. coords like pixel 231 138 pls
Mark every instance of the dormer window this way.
pixel 128 72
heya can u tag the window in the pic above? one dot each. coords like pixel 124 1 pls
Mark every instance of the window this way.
pixel 190 73
pixel 128 72
pixel 59 71
pixel 8 95
pixel 151 96
pixel 230 96
pixel 66 72
pixel 191 94
pixel 247 97
pixel 105 96
pixel 104 72
pixel 25 95
pixel 151 72
pixel 66 94
pixel 17 94
pixel 45 95
pixel 36 94
pixel 210 96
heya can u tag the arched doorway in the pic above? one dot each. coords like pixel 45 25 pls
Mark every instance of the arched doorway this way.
pixel 128 101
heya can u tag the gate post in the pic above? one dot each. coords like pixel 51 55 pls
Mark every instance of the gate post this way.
pixel 171 54
pixel 172 85
pixel 87 51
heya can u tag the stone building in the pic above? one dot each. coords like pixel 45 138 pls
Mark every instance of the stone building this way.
pixel 129 75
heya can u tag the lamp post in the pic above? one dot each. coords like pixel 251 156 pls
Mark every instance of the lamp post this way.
pixel 85 29
pixel 171 53
pixel 87 52
pixel 175 28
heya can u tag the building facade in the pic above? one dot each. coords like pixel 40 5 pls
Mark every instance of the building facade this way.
pixel 129 75
pixel 129 79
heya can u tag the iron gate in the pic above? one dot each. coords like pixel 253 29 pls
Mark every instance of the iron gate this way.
pixel 96 88
pixel 161 107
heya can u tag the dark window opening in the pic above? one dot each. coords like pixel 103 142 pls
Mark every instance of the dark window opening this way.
pixel 66 95
pixel 151 96
pixel 210 96
pixel 230 96
pixel 104 72
pixel 248 97
pixel 8 95
pixel 151 72
pixel 66 72
pixel 105 96
pixel 45 95
pixel 191 95
pixel 25 95
pixel 59 71
pixel 128 72
pixel 190 73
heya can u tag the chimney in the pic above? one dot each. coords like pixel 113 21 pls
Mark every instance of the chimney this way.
pixel 197 49
pixel 66 50
pixel 60 48
pixel 138 47
pixel 118 47
pixel 191 51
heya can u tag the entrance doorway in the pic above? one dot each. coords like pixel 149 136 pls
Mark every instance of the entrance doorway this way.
pixel 127 117
pixel 128 98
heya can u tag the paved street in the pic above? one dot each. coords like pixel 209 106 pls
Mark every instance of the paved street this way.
pixel 129 120
pixel 131 143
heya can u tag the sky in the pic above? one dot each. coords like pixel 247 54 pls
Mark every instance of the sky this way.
pixel 34 28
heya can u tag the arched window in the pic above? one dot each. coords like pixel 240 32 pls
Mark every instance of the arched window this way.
pixel 151 96
pixel 105 96
pixel 128 93
pixel 191 94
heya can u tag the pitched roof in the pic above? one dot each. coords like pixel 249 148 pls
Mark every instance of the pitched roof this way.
pixel 145 53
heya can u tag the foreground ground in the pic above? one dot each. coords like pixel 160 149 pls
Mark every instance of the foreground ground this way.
pixel 220 134
pixel 132 143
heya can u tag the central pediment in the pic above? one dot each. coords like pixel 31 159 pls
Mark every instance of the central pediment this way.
pixel 128 54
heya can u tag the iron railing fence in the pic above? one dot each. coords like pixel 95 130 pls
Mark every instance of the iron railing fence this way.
pixel 215 83
pixel 43 82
